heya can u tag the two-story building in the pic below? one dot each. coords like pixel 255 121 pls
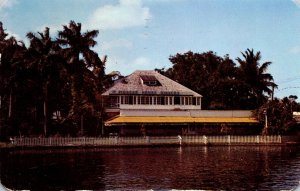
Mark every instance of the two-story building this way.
pixel 148 103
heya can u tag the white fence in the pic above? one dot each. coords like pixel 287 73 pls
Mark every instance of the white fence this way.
pixel 232 139
pixel 136 141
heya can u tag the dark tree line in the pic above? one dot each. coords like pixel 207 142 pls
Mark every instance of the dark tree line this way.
pixel 223 84
pixel 226 84
pixel 51 86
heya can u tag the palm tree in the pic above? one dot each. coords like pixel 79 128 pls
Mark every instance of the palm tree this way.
pixel 254 76
pixel 44 61
pixel 11 76
pixel 13 54
pixel 77 50
pixel 3 36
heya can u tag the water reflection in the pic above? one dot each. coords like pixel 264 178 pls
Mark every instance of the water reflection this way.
pixel 227 168
pixel 51 170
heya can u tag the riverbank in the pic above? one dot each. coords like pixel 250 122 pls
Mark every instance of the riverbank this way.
pixel 150 141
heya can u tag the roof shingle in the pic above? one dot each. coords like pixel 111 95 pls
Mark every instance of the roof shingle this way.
pixel 133 83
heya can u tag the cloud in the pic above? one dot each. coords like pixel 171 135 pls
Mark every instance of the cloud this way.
pixel 115 63
pixel 163 1
pixel 7 3
pixel 297 2
pixel 295 50
pixel 12 34
pixel 128 66
pixel 142 62
pixel 127 13
pixel 118 43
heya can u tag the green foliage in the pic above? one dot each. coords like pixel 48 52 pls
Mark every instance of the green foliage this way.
pixel 253 75
pixel 205 73
pixel 220 81
pixel 61 76
pixel 279 117
pixel 83 82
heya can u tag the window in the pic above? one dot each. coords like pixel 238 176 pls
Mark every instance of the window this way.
pixel 130 100
pixel 134 102
pixel 143 100
pixel 181 100
pixel 138 100
pixel 154 100
pixel 146 100
pixel 150 80
pixel 186 101
pixel 176 100
pixel 149 100
pixel 124 99
pixel 170 100
pixel 158 100
pixel 196 101
pixel 162 100
pixel 121 99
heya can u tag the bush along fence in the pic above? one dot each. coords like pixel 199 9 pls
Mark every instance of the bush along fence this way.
pixel 144 141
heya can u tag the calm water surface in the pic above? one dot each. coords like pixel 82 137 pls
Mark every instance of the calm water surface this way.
pixel 217 168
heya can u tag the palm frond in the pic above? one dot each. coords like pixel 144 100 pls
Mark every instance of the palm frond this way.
pixel 263 68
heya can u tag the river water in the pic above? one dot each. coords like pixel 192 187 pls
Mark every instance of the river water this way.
pixel 202 168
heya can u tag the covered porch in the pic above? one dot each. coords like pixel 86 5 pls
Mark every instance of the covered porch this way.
pixel 163 126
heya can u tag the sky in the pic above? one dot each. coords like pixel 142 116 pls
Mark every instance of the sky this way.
pixel 143 34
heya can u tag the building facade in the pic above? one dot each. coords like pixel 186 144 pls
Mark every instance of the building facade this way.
pixel 151 90
pixel 148 103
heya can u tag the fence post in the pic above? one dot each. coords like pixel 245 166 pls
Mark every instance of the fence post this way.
pixel 205 139
pixel 116 140
pixel 257 139
pixel 280 139
pixel 179 139
pixel 228 139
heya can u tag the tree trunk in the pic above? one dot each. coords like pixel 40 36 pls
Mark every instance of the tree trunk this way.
pixel 81 125
pixel 10 104
pixel 74 96
pixel 45 118
pixel 45 109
